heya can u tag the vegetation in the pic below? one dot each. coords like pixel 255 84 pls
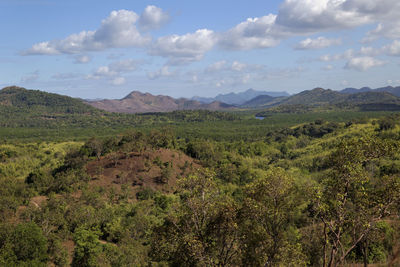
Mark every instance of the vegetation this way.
pixel 200 188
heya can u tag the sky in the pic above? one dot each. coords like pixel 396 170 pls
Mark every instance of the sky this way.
pixel 106 49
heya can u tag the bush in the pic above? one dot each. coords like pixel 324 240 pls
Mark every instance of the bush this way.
pixel 28 243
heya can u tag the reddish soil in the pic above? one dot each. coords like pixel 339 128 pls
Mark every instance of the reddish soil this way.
pixel 155 169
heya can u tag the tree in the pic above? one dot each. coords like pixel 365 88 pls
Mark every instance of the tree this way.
pixel 202 230
pixel 351 201
pixel 267 222
pixel 28 243
pixel 87 247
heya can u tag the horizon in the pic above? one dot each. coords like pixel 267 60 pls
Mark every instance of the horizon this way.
pixel 107 50
pixel 192 97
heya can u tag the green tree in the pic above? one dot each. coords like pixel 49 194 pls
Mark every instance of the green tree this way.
pixel 351 201
pixel 87 247
pixel 269 235
pixel 28 243
pixel 202 231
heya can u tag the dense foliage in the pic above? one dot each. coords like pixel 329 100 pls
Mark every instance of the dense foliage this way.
pixel 200 188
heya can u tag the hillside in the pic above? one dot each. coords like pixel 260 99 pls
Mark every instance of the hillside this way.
pixel 56 115
pixel 20 99
pixel 261 101
pixel 239 98
pixel 388 89
pixel 326 98
pixel 137 102
pixel 138 197
pixel 315 97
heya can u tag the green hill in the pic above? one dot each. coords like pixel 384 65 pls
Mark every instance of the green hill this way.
pixel 315 97
pixel 35 100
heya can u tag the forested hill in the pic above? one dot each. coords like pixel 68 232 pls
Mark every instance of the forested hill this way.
pixel 22 108
pixel 320 97
pixel 21 99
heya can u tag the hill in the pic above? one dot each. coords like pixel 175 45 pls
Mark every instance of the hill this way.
pixel 261 101
pixel 315 97
pixel 46 113
pixel 239 98
pixel 326 99
pixel 388 89
pixel 137 102
pixel 21 99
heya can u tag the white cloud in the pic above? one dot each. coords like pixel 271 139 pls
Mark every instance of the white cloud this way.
pixel 117 30
pixel 363 63
pixel 309 16
pixel 82 59
pixel 153 18
pixel 114 69
pixel 101 72
pixel 348 54
pixel 328 67
pixel 126 65
pixel 31 77
pixel 180 49
pixel 388 29
pixel 217 66
pixel 163 72
pixel 318 43
pixel 237 66
pixel 304 17
pixel 369 51
pixel 118 81
pixel 254 33
pixel 393 49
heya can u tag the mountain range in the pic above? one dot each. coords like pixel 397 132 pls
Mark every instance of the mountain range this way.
pixel 239 98
pixel 16 100
pixel 389 89
pixel 137 102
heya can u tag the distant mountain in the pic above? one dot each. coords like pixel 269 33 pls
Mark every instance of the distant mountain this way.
pixel 323 97
pixel 355 90
pixel 389 89
pixel 21 99
pixel 315 97
pixel 262 101
pixel 239 98
pixel 308 100
pixel 137 102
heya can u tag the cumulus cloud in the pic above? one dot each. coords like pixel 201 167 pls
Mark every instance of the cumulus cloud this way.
pixel 393 49
pixel 117 30
pixel 163 72
pixel 118 81
pixel 310 16
pixel 348 54
pixel 153 18
pixel 82 59
pixel 318 43
pixel 304 17
pixel 363 63
pixel 114 69
pixel 238 66
pixel 180 49
pixel 253 33
pixel 328 68
pixel 30 77
pixel 389 29
pixel 217 66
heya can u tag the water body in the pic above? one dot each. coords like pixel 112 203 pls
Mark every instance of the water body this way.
pixel 260 118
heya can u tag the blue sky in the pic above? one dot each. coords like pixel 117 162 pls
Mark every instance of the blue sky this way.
pixel 106 49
